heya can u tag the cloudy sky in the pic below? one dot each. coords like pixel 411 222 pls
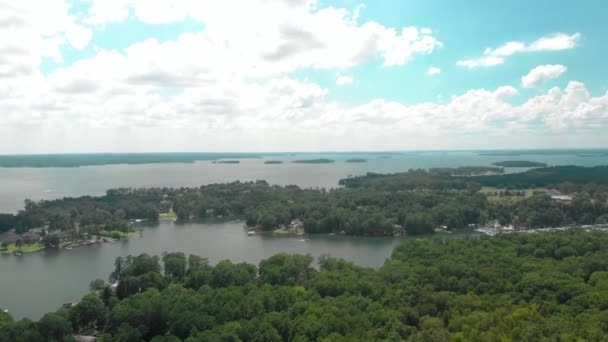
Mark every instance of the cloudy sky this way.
pixel 301 75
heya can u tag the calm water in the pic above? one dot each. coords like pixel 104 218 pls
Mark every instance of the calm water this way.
pixel 34 284
pixel 17 184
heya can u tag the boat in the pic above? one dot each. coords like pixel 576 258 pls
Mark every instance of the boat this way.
pixel 251 233
pixel 17 253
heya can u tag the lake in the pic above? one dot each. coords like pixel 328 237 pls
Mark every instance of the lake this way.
pixel 34 284
pixel 17 184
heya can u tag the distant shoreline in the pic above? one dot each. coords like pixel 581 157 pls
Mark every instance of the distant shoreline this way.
pixel 101 159
pixel 519 163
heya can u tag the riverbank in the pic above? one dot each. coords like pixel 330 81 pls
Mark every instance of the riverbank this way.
pixel 104 236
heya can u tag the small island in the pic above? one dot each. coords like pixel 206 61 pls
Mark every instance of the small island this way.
pixel 356 160
pixel 519 163
pixel 313 161
pixel 226 162
pixel 273 162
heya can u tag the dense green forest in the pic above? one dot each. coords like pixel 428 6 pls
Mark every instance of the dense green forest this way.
pixel 548 176
pixel 540 177
pixel 416 201
pixel 517 287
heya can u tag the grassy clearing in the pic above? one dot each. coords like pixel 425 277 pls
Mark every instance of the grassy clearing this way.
pixel 167 216
pixel 33 248
pixel 117 234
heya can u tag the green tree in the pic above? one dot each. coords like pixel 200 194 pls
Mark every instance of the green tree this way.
pixel 419 223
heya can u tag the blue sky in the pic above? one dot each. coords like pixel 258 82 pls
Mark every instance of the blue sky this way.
pixel 301 73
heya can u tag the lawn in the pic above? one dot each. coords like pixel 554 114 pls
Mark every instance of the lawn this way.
pixel 117 234
pixel 37 247
pixel 167 216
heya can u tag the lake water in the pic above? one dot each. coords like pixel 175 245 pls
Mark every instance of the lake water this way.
pixel 34 284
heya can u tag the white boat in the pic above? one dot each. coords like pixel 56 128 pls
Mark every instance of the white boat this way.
pixel 251 233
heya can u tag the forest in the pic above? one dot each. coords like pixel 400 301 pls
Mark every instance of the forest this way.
pixel 417 202
pixel 516 287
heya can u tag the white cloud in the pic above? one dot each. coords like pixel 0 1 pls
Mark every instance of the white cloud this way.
pixel 281 35
pixel 555 42
pixel 344 79
pixel 432 71
pixel 32 30
pixel 542 73
pixel 492 57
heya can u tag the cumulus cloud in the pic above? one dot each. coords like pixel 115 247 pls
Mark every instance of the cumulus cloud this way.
pixel 492 57
pixel 33 30
pixel 541 74
pixel 344 79
pixel 433 71
pixel 281 35
pixel 228 88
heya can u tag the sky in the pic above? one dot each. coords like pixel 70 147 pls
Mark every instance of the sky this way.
pixel 301 75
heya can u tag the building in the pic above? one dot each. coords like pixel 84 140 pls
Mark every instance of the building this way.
pixel 10 238
pixel 297 223
pixel 562 198
pixel 31 237
pixel 63 235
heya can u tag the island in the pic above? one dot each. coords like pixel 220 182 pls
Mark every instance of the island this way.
pixel 356 160
pixel 519 163
pixel 226 162
pixel 313 161
pixel 273 162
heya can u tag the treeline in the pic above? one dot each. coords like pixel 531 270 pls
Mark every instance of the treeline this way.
pixel 518 287
pixel 577 176
pixel 441 179
pixel 548 176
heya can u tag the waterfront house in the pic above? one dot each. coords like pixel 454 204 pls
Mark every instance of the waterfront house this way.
pixel 10 238
pixel 297 223
pixel 63 235
pixel 31 237
pixel 562 198
pixel 398 230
